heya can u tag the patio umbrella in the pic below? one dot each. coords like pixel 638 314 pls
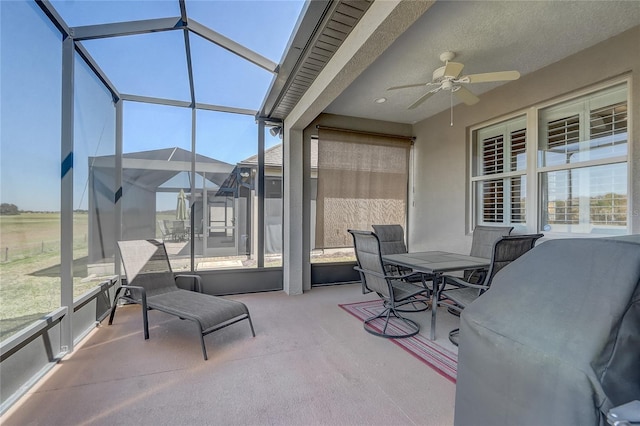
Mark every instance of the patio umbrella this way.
pixel 181 208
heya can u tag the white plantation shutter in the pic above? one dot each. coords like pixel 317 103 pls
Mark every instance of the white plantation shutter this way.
pixel 518 150
pixel 502 149
pixel 493 155
pixel 493 201
pixel 518 190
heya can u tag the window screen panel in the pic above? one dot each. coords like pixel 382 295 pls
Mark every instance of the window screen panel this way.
pixel 587 200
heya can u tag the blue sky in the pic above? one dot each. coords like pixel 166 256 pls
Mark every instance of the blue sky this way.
pixel 148 65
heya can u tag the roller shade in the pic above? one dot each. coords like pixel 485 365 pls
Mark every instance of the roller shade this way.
pixel 362 180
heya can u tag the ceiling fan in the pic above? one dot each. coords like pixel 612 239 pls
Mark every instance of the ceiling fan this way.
pixel 448 78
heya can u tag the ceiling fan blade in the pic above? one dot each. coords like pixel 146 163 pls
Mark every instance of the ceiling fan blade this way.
pixel 423 98
pixel 406 86
pixel 491 76
pixel 466 96
pixel 453 69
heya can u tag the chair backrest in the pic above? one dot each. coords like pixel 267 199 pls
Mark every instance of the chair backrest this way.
pixel 506 250
pixel 391 238
pixel 163 228
pixel 367 247
pixel 178 226
pixel 146 264
pixel 484 237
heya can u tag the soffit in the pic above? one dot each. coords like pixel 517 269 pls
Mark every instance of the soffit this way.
pixel 320 33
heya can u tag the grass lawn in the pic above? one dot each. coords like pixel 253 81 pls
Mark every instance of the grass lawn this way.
pixel 30 267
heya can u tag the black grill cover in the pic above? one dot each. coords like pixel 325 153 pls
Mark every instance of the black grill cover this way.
pixel 556 341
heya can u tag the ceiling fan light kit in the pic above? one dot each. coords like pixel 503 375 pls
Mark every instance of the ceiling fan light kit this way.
pixel 447 77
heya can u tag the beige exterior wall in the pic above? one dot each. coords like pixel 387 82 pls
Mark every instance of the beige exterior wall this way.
pixel 439 217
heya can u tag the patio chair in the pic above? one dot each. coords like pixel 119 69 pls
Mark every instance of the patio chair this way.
pixel 163 229
pixel 179 230
pixel 391 239
pixel 151 283
pixel 392 289
pixel 505 250
pixel 168 225
pixel 482 246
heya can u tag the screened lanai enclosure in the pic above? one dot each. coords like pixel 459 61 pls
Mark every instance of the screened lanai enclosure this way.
pixel 157 104
pixel 132 120
pixel 126 120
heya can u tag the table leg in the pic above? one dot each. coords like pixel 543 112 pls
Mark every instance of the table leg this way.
pixel 434 303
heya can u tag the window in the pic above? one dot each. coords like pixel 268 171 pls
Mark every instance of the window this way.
pixel 582 163
pixel 580 172
pixel 499 176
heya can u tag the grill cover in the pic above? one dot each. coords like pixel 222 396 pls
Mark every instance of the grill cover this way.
pixel 557 338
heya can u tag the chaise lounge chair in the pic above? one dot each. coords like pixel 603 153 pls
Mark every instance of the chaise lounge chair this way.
pixel 151 283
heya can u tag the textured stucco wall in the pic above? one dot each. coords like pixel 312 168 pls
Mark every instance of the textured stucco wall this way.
pixel 439 216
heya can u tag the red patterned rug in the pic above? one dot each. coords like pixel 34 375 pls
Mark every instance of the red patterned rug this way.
pixel 442 360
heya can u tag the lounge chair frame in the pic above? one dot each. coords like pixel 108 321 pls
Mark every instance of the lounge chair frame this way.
pixel 205 310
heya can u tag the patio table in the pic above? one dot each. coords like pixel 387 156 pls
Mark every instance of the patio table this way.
pixel 436 263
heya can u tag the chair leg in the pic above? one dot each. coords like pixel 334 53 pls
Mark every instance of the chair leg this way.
pixel 412 326
pixel 115 303
pixel 145 318
pixel 454 336
pixel 204 348
pixel 251 325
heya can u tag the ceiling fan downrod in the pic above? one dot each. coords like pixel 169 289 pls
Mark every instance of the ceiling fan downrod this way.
pixel 451 96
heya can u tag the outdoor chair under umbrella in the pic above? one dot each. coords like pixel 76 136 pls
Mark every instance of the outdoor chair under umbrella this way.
pixel 179 229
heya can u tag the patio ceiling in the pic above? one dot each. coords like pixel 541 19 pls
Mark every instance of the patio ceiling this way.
pixel 486 36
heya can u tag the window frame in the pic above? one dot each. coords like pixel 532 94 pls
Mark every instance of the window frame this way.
pixel 534 169
pixel 478 173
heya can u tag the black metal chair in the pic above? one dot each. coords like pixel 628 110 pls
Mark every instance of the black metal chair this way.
pixel 392 289
pixel 482 243
pixel 391 239
pixel 505 250
pixel 151 283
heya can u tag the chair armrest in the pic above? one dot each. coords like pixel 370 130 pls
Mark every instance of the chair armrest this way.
pixel 198 280
pixel 143 292
pixel 480 273
pixel 459 282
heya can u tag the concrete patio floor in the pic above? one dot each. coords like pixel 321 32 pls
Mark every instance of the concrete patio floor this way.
pixel 310 363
